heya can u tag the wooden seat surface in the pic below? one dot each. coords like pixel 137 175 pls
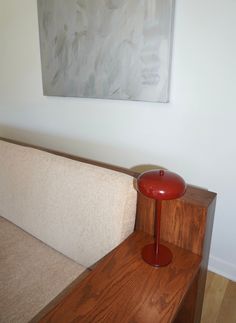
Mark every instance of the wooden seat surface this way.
pixel 123 288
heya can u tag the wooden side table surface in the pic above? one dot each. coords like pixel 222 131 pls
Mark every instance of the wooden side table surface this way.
pixel 123 288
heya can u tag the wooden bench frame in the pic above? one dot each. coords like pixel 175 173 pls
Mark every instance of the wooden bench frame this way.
pixel 186 226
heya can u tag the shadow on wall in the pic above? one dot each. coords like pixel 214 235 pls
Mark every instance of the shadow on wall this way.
pixel 78 146
pixel 145 167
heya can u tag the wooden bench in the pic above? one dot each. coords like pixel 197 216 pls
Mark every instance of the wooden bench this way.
pixel 123 288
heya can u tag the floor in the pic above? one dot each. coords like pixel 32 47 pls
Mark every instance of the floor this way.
pixel 220 300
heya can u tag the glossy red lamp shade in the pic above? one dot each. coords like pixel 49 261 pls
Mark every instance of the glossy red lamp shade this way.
pixel 159 185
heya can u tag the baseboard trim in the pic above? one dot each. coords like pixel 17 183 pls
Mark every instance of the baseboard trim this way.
pixel 222 268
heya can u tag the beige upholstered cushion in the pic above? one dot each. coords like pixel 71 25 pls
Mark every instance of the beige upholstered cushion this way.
pixel 31 274
pixel 81 210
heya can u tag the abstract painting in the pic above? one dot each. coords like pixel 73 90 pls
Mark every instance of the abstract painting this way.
pixel 108 49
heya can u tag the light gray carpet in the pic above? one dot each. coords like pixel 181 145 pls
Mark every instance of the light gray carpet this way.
pixel 31 274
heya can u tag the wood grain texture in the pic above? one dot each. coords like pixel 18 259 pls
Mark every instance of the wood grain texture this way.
pixel 183 220
pixel 145 217
pixel 187 312
pixel 220 300
pixel 196 294
pixel 123 288
pixel 210 211
pixel 215 289
pixel 184 225
pixel 227 313
pixel 59 297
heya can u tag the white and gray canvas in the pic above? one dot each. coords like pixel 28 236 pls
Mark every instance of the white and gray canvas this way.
pixel 110 49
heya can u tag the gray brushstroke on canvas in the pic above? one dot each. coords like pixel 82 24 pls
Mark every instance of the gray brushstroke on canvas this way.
pixel 112 49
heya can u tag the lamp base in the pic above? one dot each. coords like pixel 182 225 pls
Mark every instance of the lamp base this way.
pixel 163 258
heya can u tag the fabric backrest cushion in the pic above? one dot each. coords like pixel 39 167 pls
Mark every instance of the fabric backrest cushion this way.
pixel 79 209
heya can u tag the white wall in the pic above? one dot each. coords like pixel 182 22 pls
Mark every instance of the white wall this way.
pixel 193 135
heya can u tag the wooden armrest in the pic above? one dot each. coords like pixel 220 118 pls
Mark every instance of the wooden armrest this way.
pixel 123 288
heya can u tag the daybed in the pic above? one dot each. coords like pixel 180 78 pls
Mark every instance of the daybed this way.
pixel 71 231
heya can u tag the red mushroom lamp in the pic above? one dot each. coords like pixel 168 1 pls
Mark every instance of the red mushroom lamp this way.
pixel 159 185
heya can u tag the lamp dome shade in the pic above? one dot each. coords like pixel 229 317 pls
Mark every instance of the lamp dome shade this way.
pixel 161 184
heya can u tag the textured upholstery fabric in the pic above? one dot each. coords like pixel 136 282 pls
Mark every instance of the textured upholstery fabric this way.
pixel 81 210
pixel 31 274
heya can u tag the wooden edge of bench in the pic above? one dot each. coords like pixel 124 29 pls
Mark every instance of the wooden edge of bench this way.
pixel 123 286
pixel 59 297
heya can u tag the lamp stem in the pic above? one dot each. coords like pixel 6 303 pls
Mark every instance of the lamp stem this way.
pixel 158 223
